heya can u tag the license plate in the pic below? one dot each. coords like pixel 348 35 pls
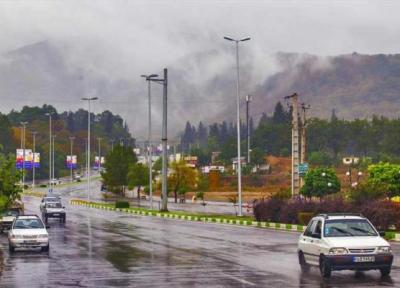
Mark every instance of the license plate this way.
pixel 29 242
pixel 56 214
pixel 364 259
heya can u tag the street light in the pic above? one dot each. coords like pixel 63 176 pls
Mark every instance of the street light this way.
pixel 34 160
pixel 99 164
pixel 71 139
pixel 53 162
pixel 49 114
pixel 239 166
pixel 23 124
pixel 88 145
pixel 149 151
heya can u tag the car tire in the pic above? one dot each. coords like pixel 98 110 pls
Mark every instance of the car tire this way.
pixel 385 271
pixel 324 267
pixel 64 218
pixel 46 249
pixel 46 219
pixel 302 261
pixel 11 249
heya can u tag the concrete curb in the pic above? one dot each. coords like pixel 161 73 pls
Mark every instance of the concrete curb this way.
pixel 268 225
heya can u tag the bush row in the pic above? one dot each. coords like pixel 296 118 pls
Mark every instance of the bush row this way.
pixel 384 214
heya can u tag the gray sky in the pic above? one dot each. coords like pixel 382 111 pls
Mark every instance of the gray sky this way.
pixel 106 45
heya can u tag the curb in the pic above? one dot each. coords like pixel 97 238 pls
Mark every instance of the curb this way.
pixel 269 225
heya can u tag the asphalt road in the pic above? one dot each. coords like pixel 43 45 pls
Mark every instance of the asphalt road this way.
pixel 103 249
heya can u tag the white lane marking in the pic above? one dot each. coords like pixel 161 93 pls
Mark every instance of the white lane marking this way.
pixel 239 279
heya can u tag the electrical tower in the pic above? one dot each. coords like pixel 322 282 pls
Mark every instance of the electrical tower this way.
pixel 294 102
pixel 304 109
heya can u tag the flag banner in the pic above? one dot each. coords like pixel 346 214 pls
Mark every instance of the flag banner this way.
pixel 36 160
pixel 19 161
pixel 71 161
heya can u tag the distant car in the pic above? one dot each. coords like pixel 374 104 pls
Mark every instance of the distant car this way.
pixel 77 177
pixel 46 199
pixel 28 231
pixel 343 242
pixel 55 181
pixel 8 217
pixel 53 210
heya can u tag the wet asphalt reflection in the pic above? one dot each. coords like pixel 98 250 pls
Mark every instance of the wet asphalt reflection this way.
pixel 104 249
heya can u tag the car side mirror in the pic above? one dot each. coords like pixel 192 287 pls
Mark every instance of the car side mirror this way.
pixel 47 226
pixel 382 233
pixel 316 235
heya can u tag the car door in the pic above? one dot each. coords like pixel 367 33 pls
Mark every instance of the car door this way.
pixel 315 243
pixel 306 241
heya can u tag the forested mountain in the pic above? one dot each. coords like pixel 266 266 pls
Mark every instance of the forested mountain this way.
pixel 106 125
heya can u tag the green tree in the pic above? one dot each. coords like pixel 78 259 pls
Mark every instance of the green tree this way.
pixel 320 182
pixel 258 156
pixel 138 176
pixel 10 190
pixel 182 178
pixel 387 175
pixel 116 166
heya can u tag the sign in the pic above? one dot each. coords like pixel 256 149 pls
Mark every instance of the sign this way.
pixel 36 160
pixel 303 169
pixel 96 162
pixel 20 163
pixel 71 162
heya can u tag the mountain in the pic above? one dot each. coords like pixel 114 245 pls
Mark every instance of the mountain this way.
pixel 355 85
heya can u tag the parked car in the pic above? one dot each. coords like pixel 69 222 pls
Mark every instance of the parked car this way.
pixel 28 231
pixel 8 216
pixel 53 210
pixel 343 242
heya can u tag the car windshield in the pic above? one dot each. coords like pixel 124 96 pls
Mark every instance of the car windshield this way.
pixel 28 224
pixel 50 199
pixel 348 227
pixel 53 205
pixel 13 213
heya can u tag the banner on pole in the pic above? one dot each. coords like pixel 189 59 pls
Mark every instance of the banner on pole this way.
pixel 72 161
pixel 19 161
pixel 36 160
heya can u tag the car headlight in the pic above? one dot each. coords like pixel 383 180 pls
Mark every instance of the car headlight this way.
pixel 338 251
pixel 384 249
pixel 16 236
pixel 43 236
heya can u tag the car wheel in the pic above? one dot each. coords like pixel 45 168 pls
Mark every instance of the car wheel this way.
pixel 11 249
pixel 46 249
pixel 302 261
pixel 324 267
pixel 385 271
pixel 64 218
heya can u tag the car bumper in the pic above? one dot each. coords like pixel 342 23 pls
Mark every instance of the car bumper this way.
pixel 31 243
pixel 346 262
pixel 55 215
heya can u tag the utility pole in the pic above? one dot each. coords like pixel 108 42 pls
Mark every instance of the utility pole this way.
pixel 304 109
pixel 53 169
pixel 248 100
pixel 34 160
pixel 99 165
pixel 23 153
pixel 50 130
pixel 71 139
pixel 295 144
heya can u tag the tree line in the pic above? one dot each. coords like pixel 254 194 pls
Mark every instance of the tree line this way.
pixel 328 140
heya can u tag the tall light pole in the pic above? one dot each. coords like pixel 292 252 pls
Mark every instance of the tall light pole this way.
pixel 50 130
pixel 34 160
pixel 71 141
pixel 164 139
pixel 23 124
pixel 248 100
pixel 53 162
pixel 239 166
pixel 150 148
pixel 88 146
pixel 99 165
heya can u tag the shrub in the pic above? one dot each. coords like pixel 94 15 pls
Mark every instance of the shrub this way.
pixel 42 185
pixel 282 193
pixel 200 195
pixel 122 204
pixel 366 192
pixel 304 217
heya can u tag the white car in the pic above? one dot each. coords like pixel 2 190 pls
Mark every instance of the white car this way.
pixel 343 242
pixel 28 231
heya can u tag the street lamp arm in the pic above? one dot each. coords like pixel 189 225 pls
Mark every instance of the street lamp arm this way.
pixel 229 39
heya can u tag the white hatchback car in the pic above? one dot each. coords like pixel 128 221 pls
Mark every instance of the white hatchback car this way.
pixel 343 242
pixel 28 231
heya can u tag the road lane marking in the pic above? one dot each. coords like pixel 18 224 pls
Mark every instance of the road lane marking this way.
pixel 239 279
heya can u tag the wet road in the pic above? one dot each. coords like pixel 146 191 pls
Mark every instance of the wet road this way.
pixel 101 249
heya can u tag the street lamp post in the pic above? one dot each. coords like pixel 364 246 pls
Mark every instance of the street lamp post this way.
pixel 248 100
pixel 34 160
pixel 50 130
pixel 164 139
pixel 150 148
pixel 23 124
pixel 99 164
pixel 71 139
pixel 53 162
pixel 88 146
pixel 239 166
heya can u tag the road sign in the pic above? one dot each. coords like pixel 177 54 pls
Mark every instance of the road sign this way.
pixel 303 169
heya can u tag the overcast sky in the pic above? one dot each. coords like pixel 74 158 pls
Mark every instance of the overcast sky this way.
pixel 119 40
